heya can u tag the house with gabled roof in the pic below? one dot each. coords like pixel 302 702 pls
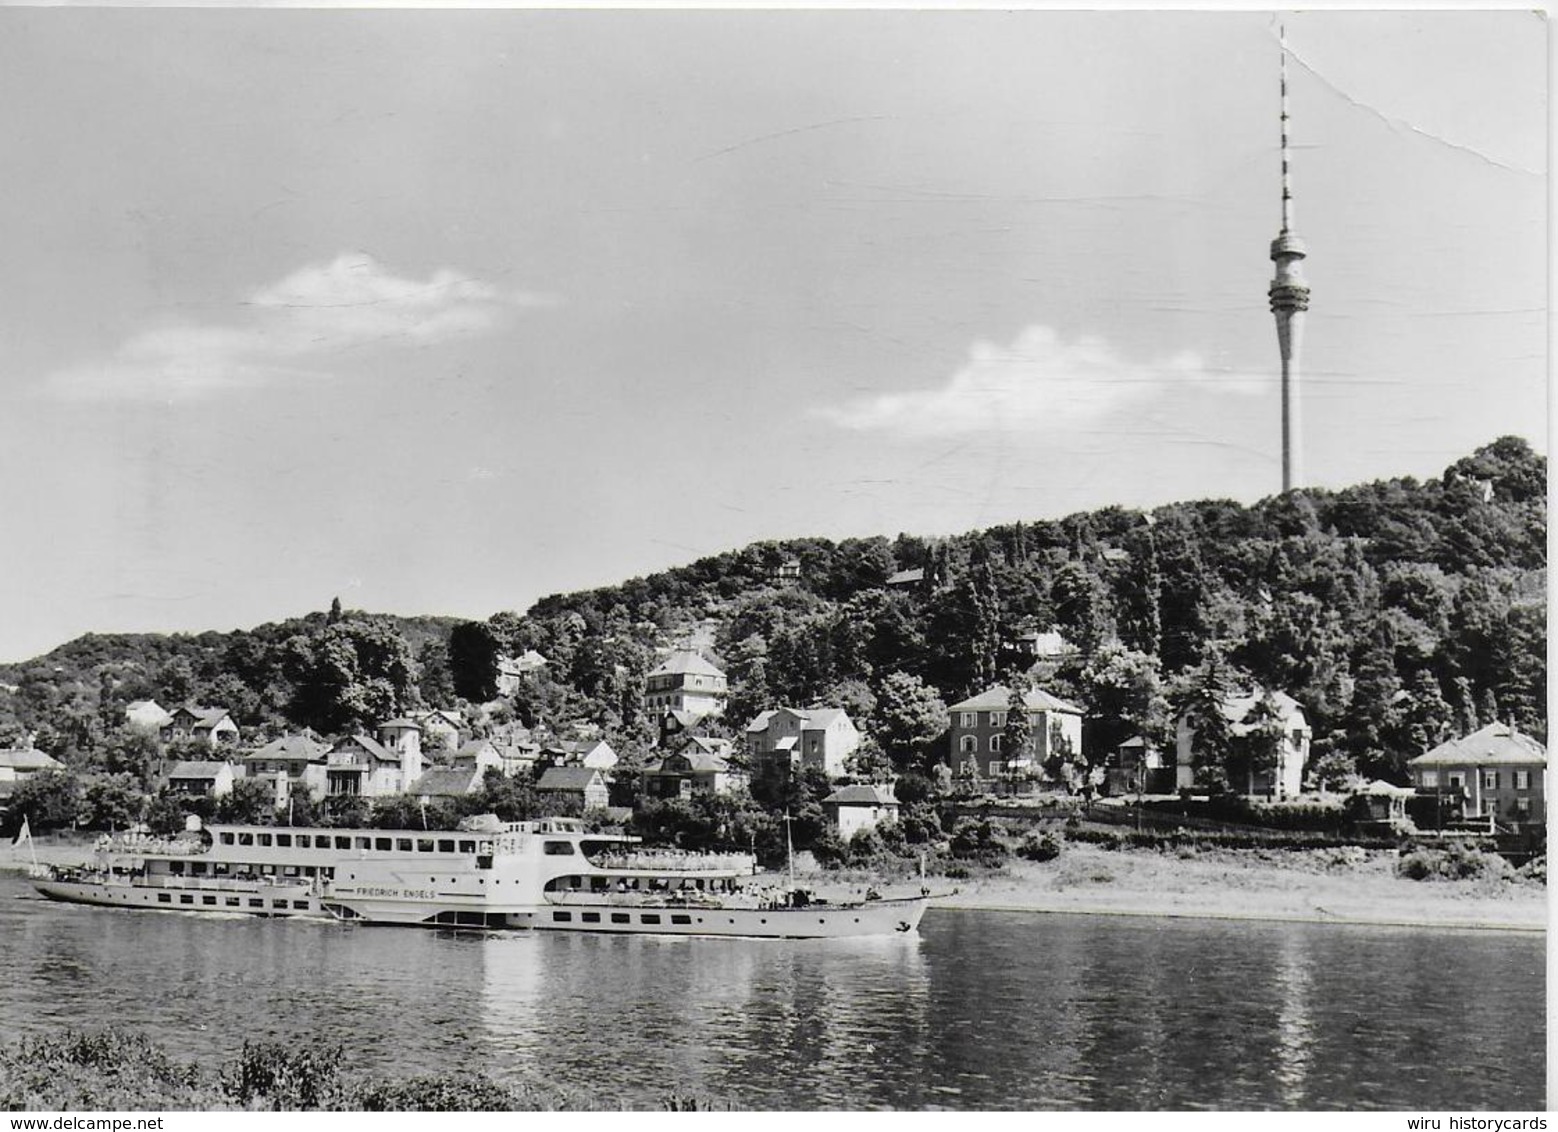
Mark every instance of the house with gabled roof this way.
pixel 479 755
pixel 18 764
pixel 447 782
pixel 784 740
pixel 978 730
pixel 440 728
pixel 596 754
pixel 518 751
pixel 1137 766
pixel 513 671
pixel 676 725
pixel 361 766
pixel 581 784
pixel 289 761
pixel 1499 773
pixel 701 766
pixel 211 725
pixel 203 779
pixel 853 808
pixel 1286 778
pixel 146 714
pixel 686 681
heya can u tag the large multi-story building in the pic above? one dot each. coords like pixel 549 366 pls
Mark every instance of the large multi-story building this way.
pixel 685 681
pixel 289 762
pixel 978 728
pixel 1499 773
pixel 791 739
pixel 361 766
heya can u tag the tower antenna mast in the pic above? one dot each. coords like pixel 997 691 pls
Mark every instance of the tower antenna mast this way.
pixel 1289 297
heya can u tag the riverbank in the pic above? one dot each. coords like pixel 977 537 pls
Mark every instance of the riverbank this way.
pixel 1334 886
pixel 1337 886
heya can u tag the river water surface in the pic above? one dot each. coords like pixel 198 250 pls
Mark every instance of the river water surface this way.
pixel 981 1010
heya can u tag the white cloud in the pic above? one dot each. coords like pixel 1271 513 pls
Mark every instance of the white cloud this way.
pixel 1039 382
pixel 289 329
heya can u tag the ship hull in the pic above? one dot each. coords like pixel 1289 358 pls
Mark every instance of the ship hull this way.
pixel 818 921
pixel 277 901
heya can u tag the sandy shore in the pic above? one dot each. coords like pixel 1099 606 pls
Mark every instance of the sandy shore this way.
pixel 1323 886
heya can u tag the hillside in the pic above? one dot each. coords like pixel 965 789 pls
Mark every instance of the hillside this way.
pixel 1397 612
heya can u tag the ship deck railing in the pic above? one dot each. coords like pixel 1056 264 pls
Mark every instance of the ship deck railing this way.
pixel 195 884
pixel 154 846
pixel 674 862
pixel 674 899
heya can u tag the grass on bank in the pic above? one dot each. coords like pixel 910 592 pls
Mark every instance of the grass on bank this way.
pixel 117 1070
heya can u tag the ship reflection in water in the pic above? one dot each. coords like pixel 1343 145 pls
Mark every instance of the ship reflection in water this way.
pixel 977 1010
pixel 728 1018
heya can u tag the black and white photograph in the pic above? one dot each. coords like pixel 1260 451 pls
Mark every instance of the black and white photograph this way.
pixel 736 559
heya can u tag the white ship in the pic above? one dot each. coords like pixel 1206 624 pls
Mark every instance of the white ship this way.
pixel 547 875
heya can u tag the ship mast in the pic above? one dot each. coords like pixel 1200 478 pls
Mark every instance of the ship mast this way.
pixel 789 849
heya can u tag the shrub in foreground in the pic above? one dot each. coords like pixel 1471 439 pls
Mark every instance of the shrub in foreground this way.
pixel 977 841
pixel 118 1071
pixel 1039 847
pixel 104 1069
pixel 1454 862
pixel 281 1077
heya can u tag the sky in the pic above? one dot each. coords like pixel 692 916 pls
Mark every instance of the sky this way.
pixel 443 311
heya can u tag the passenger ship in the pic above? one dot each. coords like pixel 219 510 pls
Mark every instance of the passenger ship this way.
pixel 548 874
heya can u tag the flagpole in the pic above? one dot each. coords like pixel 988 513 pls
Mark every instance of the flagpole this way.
pixel 32 848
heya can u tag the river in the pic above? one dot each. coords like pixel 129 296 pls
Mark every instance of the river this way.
pixel 981 1010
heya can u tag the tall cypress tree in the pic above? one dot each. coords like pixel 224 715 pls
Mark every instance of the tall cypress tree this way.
pixel 1017 739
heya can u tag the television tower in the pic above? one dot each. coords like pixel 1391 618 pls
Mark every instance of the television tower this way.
pixel 1289 296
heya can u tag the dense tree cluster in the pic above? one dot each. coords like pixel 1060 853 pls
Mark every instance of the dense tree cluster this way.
pixel 1398 613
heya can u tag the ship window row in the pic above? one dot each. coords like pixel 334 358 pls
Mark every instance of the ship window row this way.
pixel 354 843
pixel 241 870
pixel 651 918
pixel 233 901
